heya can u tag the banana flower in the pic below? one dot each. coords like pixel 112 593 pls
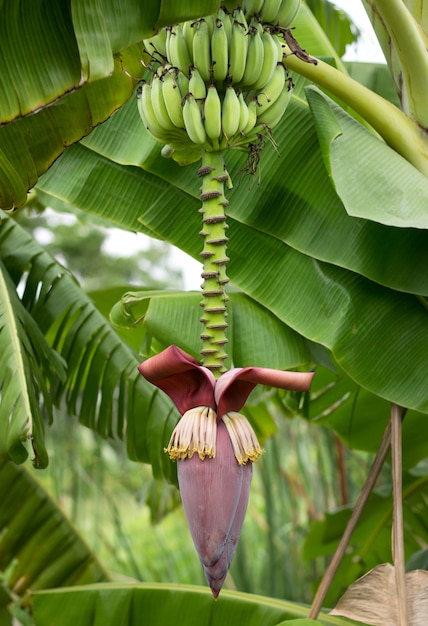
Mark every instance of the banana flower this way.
pixel 215 446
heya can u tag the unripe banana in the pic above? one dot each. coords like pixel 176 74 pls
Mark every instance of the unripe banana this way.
pixel 159 106
pixel 173 99
pixel 288 13
pixel 252 7
pixel 252 117
pixel 176 138
pixel 279 45
pixel 176 48
pixel 243 113
pixel 270 60
pixel 270 10
pixel 237 52
pixel 239 16
pixel 145 107
pixel 193 121
pixel 272 90
pixel 212 113
pixel 156 44
pixel 202 49
pixel 271 116
pixel 189 32
pixel 255 55
pixel 227 21
pixel 219 51
pixel 197 84
pixel 183 83
pixel 167 151
pixel 230 113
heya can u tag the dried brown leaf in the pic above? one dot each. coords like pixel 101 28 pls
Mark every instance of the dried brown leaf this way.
pixel 372 599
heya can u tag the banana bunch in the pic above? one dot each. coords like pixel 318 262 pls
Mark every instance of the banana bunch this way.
pixel 218 82
pixel 223 48
pixel 207 118
pixel 281 12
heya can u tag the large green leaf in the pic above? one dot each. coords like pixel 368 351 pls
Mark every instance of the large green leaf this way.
pixel 372 180
pixel 157 605
pixel 173 317
pixel 39 547
pixel 30 144
pixel 66 68
pixel 378 335
pixel 308 217
pixel 352 412
pixel 102 385
pixel 26 359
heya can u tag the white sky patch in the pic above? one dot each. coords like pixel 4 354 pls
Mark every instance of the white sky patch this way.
pixel 123 243
pixel 367 48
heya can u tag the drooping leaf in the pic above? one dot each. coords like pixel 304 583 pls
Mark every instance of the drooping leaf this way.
pixel 352 412
pixel 28 367
pixel 372 599
pixel 372 180
pixel 66 69
pixel 155 604
pixel 39 548
pixel 102 385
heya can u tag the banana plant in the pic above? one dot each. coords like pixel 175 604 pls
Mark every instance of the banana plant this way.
pixel 331 245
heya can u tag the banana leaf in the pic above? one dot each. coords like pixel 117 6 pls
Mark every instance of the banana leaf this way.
pixel 39 547
pixel 158 604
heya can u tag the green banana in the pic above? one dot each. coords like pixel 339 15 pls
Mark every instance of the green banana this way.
pixel 172 98
pixel 243 113
pixel 252 117
pixel 156 44
pixel 189 33
pixel 270 10
pixel 219 51
pixel 230 113
pixel 288 13
pixel 239 16
pixel 176 48
pixel 227 21
pixel 255 55
pixel 212 114
pixel 145 108
pixel 197 84
pixel 193 121
pixel 178 139
pixel 272 115
pixel 252 7
pixel 183 83
pixel 270 60
pixel 271 92
pixel 159 106
pixel 237 52
pixel 202 49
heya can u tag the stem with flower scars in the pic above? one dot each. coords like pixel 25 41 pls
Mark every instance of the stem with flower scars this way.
pixel 214 297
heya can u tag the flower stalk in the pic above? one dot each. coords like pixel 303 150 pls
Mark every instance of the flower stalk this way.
pixel 214 297
pixel 398 130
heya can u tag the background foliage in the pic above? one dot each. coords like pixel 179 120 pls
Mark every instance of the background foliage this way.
pixel 328 267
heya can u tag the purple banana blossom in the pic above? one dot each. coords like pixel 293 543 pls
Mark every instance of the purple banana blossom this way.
pixel 215 482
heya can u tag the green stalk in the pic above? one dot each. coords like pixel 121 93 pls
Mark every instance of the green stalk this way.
pixel 410 45
pixel 394 126
pixel 214 297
